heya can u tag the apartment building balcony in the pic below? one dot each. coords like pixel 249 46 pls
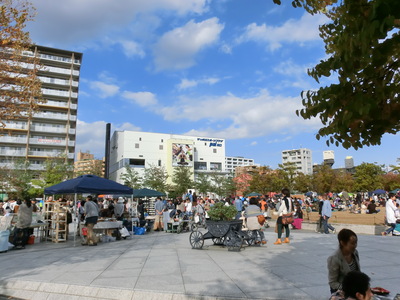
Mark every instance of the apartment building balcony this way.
pixel 52 92
pixel 12 153
pixel 16 126
pixel 49 154
pixel 59 104
pixel 38 128
pixel 53 142
pixel 58 81
pixel 54 116
pixel 13 139
pixel 49 69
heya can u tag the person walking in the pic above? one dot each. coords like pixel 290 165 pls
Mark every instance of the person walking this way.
pixel 91 217
pixel 390 214
pixel 159 208
pixel 285 208
pixel 326 213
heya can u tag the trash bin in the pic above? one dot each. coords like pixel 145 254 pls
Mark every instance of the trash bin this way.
pixel 4 236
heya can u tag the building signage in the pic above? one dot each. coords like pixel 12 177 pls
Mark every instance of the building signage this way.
pixel 48 141
pixel 213 142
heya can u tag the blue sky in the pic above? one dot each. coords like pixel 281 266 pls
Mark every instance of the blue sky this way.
pixel 230 69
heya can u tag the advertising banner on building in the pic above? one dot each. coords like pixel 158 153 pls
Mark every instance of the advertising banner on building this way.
pixel 182 155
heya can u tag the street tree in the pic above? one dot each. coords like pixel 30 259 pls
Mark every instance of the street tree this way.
pixel 156 178
pixel 390 181
pixel 202 183
pixel 182 180
pixel 19 179
pixel 367 177
pixel 288 173
pixel 302 182
pixel 20 86
pixel 362 43
pixel 343 181
pixel 323 179
pixel 131 177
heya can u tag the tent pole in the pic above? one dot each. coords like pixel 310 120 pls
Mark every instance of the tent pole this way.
pixel 76 216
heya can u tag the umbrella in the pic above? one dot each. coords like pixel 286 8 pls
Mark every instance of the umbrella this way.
pixel 379 192
pixel 309 194
pixel 253 194
pixel 142 193
pixel 395 191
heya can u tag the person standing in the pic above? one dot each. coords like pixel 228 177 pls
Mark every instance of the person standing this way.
pixel 239 207
pixel 159 208
pixel 285 208
pixel 119 209
pixel 326 213
pixel 91 217
pixel 23 224
pixel 390 214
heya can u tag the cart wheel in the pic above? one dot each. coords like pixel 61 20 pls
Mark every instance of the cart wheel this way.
pixel 196 240
pixel 218 240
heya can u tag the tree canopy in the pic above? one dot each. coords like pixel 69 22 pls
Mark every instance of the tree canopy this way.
pixel 19 83
pixel 362 41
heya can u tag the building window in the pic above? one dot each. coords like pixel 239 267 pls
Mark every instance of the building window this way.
pixel 159 162
pixel 137 146
pixel 162 141
pixel 140 139
pixel 215 166
pixel 214 150
pixel 200 165
pixel 161 147
pixel 136 162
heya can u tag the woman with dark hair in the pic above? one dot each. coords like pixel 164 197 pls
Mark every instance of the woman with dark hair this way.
pixel 285 208
pixel 23 224
pixel 343 260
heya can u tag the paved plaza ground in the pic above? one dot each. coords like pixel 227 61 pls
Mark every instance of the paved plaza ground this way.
pixel 162 265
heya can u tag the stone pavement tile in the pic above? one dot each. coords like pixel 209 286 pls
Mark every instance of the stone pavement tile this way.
pixel 123 273
pixel 61 297
pixel 160 268
pixel 205 277
pixel 122 282
pixel 165 283
pixel 148 295
pixel 79 290
pixel 118 294
pixel 25 285
pixel 317 291
pixel 215 288
pixel 127 263
pixel 53 287
pixel 39 296
pixel 284 294
pixel 39 276
pixel 77 277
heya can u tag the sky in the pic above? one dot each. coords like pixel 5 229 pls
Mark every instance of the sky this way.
pixel 231 69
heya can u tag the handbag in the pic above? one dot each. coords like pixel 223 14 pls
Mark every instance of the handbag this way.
pixel 287 218
pixel 261 219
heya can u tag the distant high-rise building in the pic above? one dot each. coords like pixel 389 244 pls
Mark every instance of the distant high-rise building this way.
pixel 51 132
pixel 86 164
pixel 329 157
pixel 301 158
pixel 231 163
pixel 348 162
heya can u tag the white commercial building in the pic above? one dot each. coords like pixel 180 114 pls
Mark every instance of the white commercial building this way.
pixel 231 163
pixel 140 150
pixel 301 158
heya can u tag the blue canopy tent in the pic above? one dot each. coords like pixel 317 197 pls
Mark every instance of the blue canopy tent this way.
pixel 379 192
pixel 145 192
pixel 88 184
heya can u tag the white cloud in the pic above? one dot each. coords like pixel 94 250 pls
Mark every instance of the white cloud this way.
pixel 77 21
pixel 254 143
pixel 292 31
pixel 104 90
pixel 233 117
pixel 186 83
pixel 144 99
pixel 91 136
pixel 132 48
pixel 275 141
pixel 177 48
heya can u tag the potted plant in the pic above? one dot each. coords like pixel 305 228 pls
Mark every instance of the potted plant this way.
pixel 221 212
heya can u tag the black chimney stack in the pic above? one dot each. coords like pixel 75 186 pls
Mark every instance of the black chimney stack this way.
pixel 107 161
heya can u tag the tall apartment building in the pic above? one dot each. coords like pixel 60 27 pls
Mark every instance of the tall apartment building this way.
pixel 301 158
pixel 231 163
pixel 329 157
pixel 141 150
pixel 86 164
pixel 51 132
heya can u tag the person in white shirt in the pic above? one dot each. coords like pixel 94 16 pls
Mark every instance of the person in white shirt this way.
pixel 390 214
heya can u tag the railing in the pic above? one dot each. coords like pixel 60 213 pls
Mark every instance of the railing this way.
pixel 59 142
pixel 47 129
pixel 12 152
pixel 12 139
